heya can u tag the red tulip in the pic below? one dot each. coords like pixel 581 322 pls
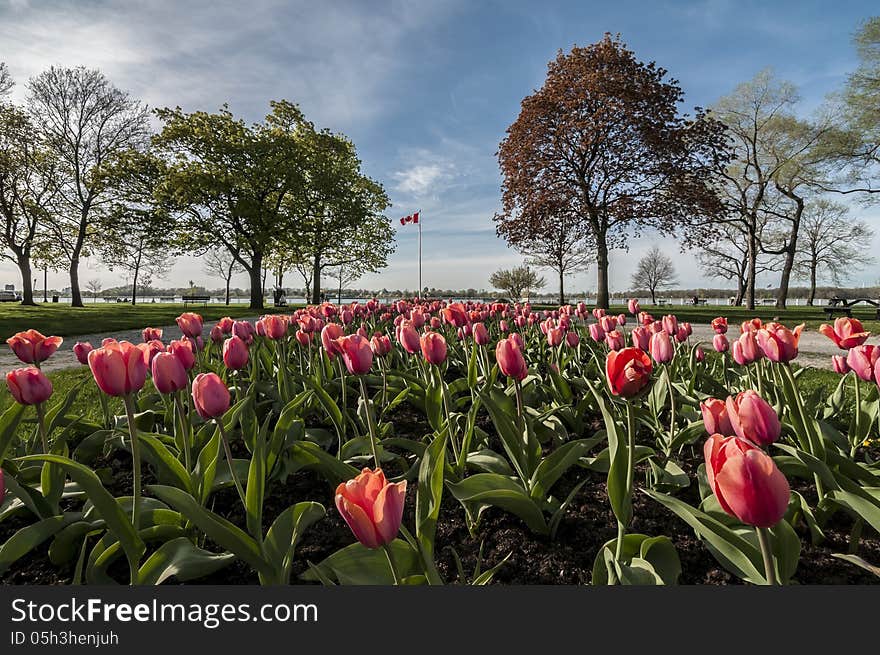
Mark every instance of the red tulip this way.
pixel 481 334
pixel 746 481
pixel 329 336
pixel 31 347
pixel 82 349
pixel 275 326
pixel 29 386
pixel 715 417
pixel 408 337
pixel 720 343
pixel 356 353
pixel 681 334
pixel 846 333
pixel 151 334
pixel 118 368
pixel 700 354
pixel 753 418
pixel 839 364
pixel 862 360
pixel 508 354
pixel 217 334
pixel 190 324
pixel 719 325
pixel 183 350
pixel 235 353
pixel 210 396
pixel 380 345
pixel 244 331
pixel 433 347
pixel 661 348
pixel 455 314
pixel 572 339
pixel 372 507
pixel 628 371
pixel 169 375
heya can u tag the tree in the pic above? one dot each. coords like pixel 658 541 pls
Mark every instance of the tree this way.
pixel 94 286
pixel 226 182
pixel 26 192
pixel 654 271
pixel 219 262
pixel 85 120
pixel 603 139
pixel 514 281
pixel 725 255
pixel 338 216
pixel 6 82
pixel 833 245
pixel 345 275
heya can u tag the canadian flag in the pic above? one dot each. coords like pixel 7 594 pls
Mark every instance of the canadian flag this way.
pixel 412 218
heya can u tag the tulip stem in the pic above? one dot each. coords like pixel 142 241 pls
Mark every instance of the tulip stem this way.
pixel 517 388
pixel 135 461
pixel 857 389
pixel 41 423
pixel 767 554
pixel 389 554
pixel 371 427
pixel 184 432
pixel 228 452
pixel 671 410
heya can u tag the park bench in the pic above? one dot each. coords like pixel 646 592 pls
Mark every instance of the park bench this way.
pixel 768 301
pixel 837 305
pixel 195 300
pixel 663 301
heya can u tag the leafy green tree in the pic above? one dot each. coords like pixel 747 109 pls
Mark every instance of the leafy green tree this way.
pixel 514 281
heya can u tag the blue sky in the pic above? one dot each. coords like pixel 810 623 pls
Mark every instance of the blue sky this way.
pixel 425 89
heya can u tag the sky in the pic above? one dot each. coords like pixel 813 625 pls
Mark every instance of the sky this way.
pixel 426 91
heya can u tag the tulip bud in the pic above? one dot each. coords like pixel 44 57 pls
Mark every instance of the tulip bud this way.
pixel 641 338
pixel 29 386
pixel 433 347
pixel 481 334
pixel 572 339
pixel 862 360
pixel 408 337
pixel 700 354
pixel 715 417
pixel 597 334
pixel 554 337
pixel 661 348
pixel 508 354
pixel 670 324
pixel 210 396
pixel 169 375
pixel 839 364
pixel 118 368
pixel 235 353
pixel 380 345
pixel 82 349
pixel 372 507
pixel 216 334
pixel 190 324
pixel 329 336
pixel 753 418
pixel 720 343
pixel 356 353
pixel 633 306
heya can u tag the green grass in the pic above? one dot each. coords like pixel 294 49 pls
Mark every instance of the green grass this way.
pixel 87 402
pixel 64 320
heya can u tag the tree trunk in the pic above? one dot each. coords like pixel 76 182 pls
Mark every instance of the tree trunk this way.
pixel 812 284
pixel 740 290
pixel 790 251
pixel 256 273
pixel 229 280
pixel 75 295
pixel 316 280
pixel 134 285
pixel 601 272
pixel 753 267
pixel 27 284
pixel 653 296
pixel 339 296
pixel 561 289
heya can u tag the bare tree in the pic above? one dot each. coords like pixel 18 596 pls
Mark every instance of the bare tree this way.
pixel 726 257
pixel 344 275
pixel 94 287
pixel 6 82
pixel 654 271
pixel 85 120
pixel 832 245
pixel 514 281
pixel 219 262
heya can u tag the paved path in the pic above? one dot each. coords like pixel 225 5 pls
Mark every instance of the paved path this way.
pixel 64 357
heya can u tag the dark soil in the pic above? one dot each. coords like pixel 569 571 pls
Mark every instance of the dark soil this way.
pixel 586 526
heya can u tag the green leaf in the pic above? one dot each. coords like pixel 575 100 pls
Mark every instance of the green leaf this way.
pixel 181 559
pixel 858 505
pixel 218 529
pixel 518 446
pixel 256 486
pixel 284 535
pixel 328 404
pixel 555 465
pixel 8 426
pixel 117 522
pixel 643 560
pixel 429 496
pixel 732 551
pixel 168 468
pixel 491 489
pixel 619 493
pixel 29 537
pixel 357 565
pixel 306 455
pixel 858 561
pixel 206 466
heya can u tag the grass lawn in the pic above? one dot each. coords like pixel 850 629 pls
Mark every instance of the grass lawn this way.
pixel 813 317
pixel 64 320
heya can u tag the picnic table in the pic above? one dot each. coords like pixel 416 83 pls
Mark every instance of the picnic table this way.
pixel 838 305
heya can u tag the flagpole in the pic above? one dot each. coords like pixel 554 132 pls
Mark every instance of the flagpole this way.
pixel 420 253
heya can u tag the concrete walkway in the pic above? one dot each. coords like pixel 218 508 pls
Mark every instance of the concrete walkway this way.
pixel 64 357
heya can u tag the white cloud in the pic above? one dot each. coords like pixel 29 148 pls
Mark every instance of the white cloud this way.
pixel 423 179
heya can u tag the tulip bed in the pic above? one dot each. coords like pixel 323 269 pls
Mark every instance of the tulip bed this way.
pixel 428 442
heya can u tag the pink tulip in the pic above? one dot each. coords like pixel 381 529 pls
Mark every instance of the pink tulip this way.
pixel 151 334
pixel 216 334
pixel 720 343
pixel 778 342
pixel 380 345
pixel 597 334
pixel 235 353
pixel 372 507
pixel 169 375
pixel 753 418
pixel 244 331
pixel 681 334
pixel 118 368
pixel 183 350
pixel 508 354
pixel 839 364
pixel 31 347
pixel 746 349
pixel 700 354
pixel 329 338
pixel 210 396
pixel 621 319
pixel 554 337
pixel 481 334
pixel 225 324
pixel 408 337
pixel 82 349
pixel 28 386
pixel 608 323
pixel 746 481
pixel 190 324
pixel 433 347
pixel 615 340
pixel 862 360
pixel 661 348
pixel 356 353
pixel 150 349
pixel 303 338
pixel 719 325
pixel 633 306
pixel 572 339
pixel 641 338
pixel 846 333
pixel 670 324
pixel 275 326
pixel 715 417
